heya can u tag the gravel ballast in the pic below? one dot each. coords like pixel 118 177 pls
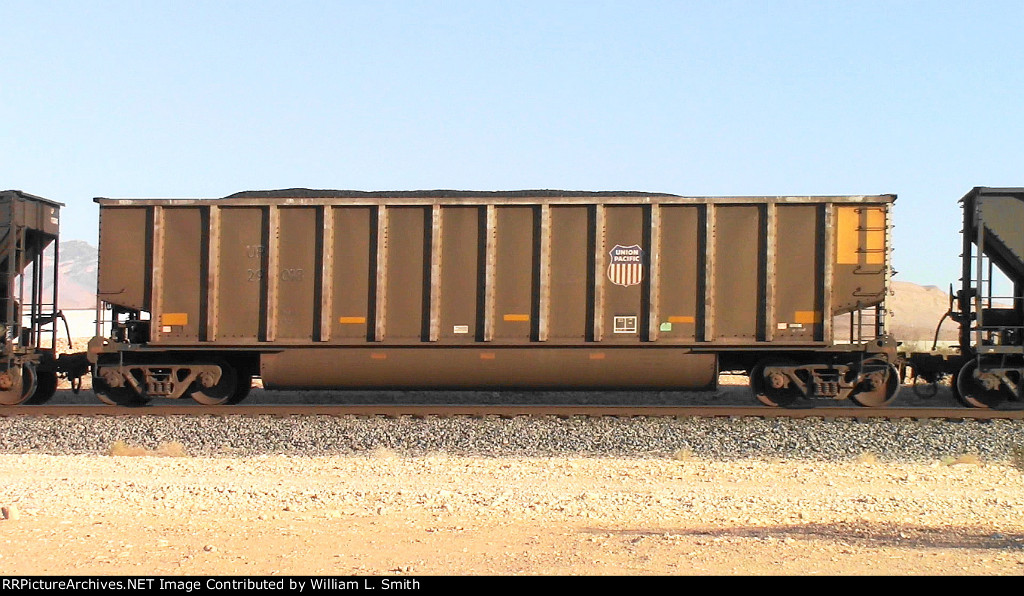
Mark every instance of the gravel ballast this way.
pixel 715 438
pixel 907 440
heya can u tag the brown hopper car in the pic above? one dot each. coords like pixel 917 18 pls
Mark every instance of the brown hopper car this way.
pixel 458 289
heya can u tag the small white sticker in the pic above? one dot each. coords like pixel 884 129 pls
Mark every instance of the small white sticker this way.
pixel 625 324
pixel 780 326
pixel 460 329
pixel 166 329
pixel 796 325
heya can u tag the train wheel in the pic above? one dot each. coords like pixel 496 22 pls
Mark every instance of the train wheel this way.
pixel 244 386
pixel 954 384
pixel 17 385
pixel 772 389
pixel 46 386
pixel 886 386
pixel 981 390
pixel 116 396
pixel 223 392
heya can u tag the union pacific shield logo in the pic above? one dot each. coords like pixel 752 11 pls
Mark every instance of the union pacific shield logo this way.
pixel 627 265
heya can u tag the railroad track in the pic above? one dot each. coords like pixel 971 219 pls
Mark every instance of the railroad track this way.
pixel 436 410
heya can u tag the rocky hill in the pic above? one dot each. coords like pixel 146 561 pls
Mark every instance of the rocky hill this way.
pixel 916 310
pixel 78 267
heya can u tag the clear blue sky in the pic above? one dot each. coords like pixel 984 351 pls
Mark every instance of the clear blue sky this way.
pixel 202 99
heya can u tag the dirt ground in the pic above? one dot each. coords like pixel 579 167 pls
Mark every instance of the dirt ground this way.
pixel 383 514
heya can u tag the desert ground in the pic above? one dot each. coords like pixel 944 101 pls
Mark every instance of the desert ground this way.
pixel 163 512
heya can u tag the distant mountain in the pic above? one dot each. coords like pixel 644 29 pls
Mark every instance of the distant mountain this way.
pixel 916 310
pixel 77 275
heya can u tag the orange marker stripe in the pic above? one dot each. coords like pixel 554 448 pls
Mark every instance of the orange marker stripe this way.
pixel 174 318
pixel 681 319
pixel 807 316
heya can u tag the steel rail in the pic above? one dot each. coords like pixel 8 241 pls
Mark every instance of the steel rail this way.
pixel 508 411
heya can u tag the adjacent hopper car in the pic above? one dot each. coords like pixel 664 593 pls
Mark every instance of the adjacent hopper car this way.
pixel 29 227
pixel 470 290
pixel 987 368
